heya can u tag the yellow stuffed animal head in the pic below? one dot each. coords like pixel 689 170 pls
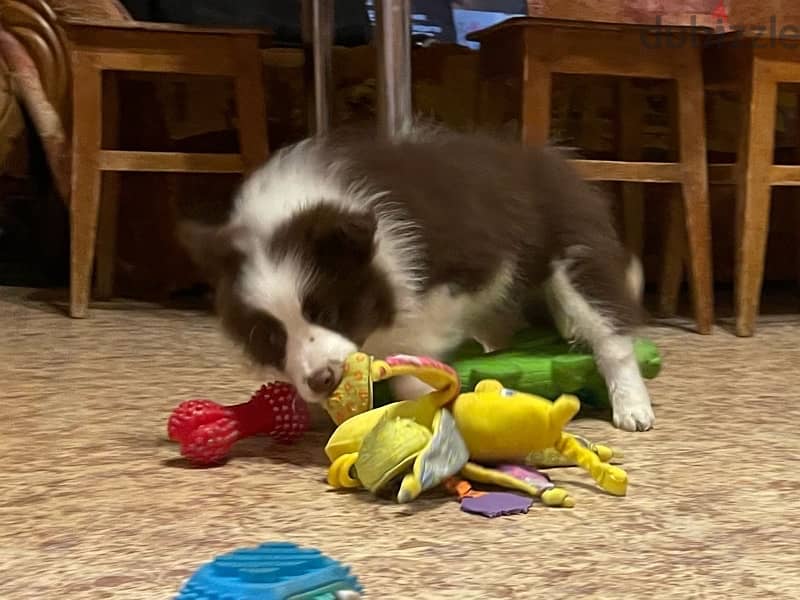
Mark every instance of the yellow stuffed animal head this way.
pixel 354 394
pixel 500 424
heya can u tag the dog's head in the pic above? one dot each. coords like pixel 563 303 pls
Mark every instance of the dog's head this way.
pixel 300 298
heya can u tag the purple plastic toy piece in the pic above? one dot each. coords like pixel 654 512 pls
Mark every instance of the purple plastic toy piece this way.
pixel 496 504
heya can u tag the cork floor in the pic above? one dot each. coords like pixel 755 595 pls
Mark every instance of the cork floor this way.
pixel 95 504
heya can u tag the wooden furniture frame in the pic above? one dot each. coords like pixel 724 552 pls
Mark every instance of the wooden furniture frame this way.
pixel 518 60
pixel 755 67
pixel 96 48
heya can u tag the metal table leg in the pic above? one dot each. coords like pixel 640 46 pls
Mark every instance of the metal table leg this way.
pixel 393 42
pixel 317 28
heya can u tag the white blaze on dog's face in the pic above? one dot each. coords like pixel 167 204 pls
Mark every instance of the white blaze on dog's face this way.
pixel 313 355
pixel 302 298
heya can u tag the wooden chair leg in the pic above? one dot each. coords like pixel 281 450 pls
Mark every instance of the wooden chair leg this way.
pixel 674 246
pixel 674 254
pixel 796 227
pixel 109 205
pixel 107 236
pixel 490 104
pixel 692 132
pixel 251 107
pixel 796 200
pixel 753 195
pixel 633 217
pixel 536 102
pixel 631 122
pixel 85 184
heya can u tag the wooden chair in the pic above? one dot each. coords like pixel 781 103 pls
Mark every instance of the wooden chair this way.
pixel 95 48
pixel 64 56
pixel 518 60
pixel 754 66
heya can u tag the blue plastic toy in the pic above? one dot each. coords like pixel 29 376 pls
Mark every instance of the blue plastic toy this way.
pixel 272 571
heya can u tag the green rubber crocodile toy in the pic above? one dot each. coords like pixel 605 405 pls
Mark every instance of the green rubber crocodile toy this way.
pixel 541 362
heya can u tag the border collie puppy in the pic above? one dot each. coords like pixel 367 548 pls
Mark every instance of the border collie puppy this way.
pixel 413 246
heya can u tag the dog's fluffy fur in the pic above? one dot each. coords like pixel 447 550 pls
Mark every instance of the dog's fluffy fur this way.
pixel 413 246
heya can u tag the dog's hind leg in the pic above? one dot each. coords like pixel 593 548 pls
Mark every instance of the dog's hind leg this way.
pixel 593 298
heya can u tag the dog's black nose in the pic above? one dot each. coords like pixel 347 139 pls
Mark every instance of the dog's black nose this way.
pixel 323 381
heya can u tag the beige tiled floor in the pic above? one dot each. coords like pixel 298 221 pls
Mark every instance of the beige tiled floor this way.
pixel 94 503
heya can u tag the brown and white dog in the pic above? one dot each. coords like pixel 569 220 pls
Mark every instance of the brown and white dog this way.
pixel 414 246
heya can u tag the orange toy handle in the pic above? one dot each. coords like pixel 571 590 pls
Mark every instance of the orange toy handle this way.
pixel 461 488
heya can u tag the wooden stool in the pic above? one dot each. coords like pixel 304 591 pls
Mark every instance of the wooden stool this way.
pixel 754 66
pixel 518 60
pixel 145 47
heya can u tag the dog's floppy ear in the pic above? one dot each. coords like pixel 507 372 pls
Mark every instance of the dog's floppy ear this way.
pixel 214 249
pixel 351 239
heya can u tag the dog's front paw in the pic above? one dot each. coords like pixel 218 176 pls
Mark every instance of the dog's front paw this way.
pixel 632 408
pixel 635 418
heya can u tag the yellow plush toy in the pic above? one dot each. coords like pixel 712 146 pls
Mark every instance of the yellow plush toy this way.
pixel 426 442
pixel 501 425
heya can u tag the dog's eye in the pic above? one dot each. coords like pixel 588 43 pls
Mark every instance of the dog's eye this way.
pixel 324 316
pixel 368 304
pixel 277 338
pixel 263 336
pixel 329 316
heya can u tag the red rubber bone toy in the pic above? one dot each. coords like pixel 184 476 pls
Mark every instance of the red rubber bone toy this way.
pixel 207 430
